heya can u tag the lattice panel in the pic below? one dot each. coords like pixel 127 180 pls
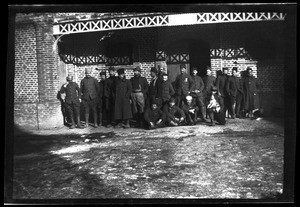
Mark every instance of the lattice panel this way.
pixel 164 20
pixel 229 53
pixel 160 55
pixel 26 76
pixel 178 58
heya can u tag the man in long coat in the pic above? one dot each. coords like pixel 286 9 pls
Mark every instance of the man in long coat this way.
pixel 221 87
pixel 122 90
pixel 155 88
pixel 251 87
pixel 89 87
pixel 138 96
pixel 167 89
pixel 209 82
pixel 102 98
pixel 184 84
pixel 197 93
pixel 109 97
pixel 232 87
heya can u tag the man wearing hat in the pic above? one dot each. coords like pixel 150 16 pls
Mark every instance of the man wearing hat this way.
pixel 155 87
pixel 122 109
pixel 198 94
pixel 175 115
pixel 209 82
pixel 102 98
pixel 89 87
pixel 138 95
pixel 167 89
pixel 154 117
pixel 184 84
pixel 190 109
pixel 72 100
pixel 214 109
pixel 109 96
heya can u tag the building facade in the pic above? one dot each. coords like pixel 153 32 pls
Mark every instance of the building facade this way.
pixel 49 46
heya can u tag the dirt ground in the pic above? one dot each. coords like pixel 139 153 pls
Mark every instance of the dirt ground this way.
pixel 241 160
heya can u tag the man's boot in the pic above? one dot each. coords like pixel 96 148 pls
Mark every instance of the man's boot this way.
pixel 195 118
pixel 79 123
pixel 212 121
pixel 137 120
pixel 203 114
pixel 95 120
pixel 100 119
pixel 126 124
pixel 142 120
pixel 87 120
pixel 72 122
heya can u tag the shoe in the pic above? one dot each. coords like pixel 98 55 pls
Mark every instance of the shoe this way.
pixel 118 126
pixel 80 126
pixel 172 123
pixel 108 126
pixel 72 126
pixel 95 125
pixel 212 124
pixel 126 125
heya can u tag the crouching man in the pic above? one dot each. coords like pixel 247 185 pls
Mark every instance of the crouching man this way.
pixel 72 101
pixel 214 109
pixel 154 117
pixel 175 115
pixel 190 109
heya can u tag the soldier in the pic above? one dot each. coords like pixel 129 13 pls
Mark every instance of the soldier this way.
pixel 251 88
pixel 89 87
pixel 221 87
pixel 239 96
pixel 154 117
pixel 214 109
pixel 175 115
pixel 72 101
pixel 109 96
pixel 209 83
pixel 122 90
pixel 190 109
pixel 184 84
pixel 198 94
pixel 232 87
pixel 138 95
pixel 155 88
pixel 102 98
pixel 167 90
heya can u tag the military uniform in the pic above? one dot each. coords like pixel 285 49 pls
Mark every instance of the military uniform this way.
pixel 172 113
pixel 199 96
pixel 153 116
pixel 184 84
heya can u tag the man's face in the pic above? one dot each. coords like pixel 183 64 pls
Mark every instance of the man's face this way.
pixel 225 72
pixel 102 77
pixel 111 73
pixel 250 72
pixel 69 78
pixel 195 72
pixel 153 106
pixel 122 75
pixel 214 74
pixel 153 75
pixel 165 78
pixel 208 72
pixel 136 73
pixel 183 70
pixel 88 73
pixel 189 102
pixel 234 73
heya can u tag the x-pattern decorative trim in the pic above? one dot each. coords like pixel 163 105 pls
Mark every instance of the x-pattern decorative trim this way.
pixel 175 58
pixel 164 20
pixel 229 53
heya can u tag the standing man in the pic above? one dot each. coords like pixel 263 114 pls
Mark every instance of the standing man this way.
pixel 122 90
pixel 138 95
pixel 209 83
pixel 251 93
pixel 109 96
pixel 167 90
pixel 231 89
pixel 221 87
pixel 197 93
pixel 89 87
pixel 154 91
pixel 184 84
pixel 239 96
pixel 72 101
pixel 102 98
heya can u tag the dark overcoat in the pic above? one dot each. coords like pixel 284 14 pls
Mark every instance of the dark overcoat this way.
pixel 121 91
pixel 221 84
pixel 251 86
pixel 184 83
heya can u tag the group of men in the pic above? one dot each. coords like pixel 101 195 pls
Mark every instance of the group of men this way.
pixel 116 100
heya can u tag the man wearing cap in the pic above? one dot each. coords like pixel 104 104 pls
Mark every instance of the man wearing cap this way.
pixel 154 117
pixel 175 115
pixel 138 95
pixel 89 87
pixel 209 82
pixel 233 87
pixel 190 109
pixel 102 98
pixel 184 84
pixel 221 87
pixel 198 94
pixel 167 90
pixel 122 90
pixel 154 91
pixel 214 109
pixel 109 96
pixel 72 100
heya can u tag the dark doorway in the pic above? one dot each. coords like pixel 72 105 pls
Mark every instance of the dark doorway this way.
pixel 199 56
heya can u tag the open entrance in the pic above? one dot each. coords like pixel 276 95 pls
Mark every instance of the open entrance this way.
pixel 191 52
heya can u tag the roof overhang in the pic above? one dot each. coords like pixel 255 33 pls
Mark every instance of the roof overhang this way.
pixel 161 20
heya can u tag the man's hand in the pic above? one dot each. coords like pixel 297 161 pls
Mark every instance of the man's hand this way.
pixel 65 85
pixel 176 119
pixel 192 111
pixel 151 124
pixel 196 91
pixel 80 100
pixel 181 119
pixel 158 122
